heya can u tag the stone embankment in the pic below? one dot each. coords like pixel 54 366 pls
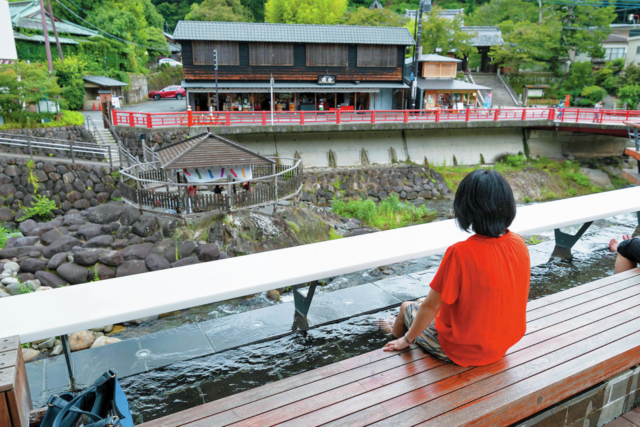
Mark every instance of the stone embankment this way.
pixel 412 183
pixel 70 186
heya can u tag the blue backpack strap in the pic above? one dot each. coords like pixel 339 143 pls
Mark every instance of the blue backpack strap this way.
pixel 121 405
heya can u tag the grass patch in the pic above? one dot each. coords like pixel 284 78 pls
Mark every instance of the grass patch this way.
pixel 390 213
pixel 333 235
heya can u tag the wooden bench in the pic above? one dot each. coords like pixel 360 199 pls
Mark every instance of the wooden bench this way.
pixel 574 340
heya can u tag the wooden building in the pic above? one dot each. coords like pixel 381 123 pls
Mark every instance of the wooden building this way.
pixel 314 67
pixel 94 84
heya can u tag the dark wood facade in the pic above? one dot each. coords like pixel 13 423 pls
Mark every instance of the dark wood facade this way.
pixel 299 71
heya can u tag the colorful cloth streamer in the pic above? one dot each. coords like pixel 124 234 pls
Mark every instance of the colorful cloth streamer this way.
pixel 204 175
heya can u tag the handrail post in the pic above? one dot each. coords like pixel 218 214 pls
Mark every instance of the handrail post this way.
pixel 115 117
pixel 437 116
pixel 29 144
pixel 301 117
pixel 149 125
pixel 189 117
pixel 601 116
pixel 110 158
pixel 466 115
pixel 338 115
pixel 264 118
pixel 524 114
pixel 228 121
pixel 373 116
pixel 73 161
pixel 131 119
pixel 496 115
pixel 552 114
pixel 577 115
pixel 406 116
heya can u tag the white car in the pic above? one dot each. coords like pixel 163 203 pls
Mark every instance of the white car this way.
pixel 170 62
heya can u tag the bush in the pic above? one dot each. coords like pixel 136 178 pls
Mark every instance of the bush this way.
pixel 69 74
pixel 593 94
pixel 629 94
pixel 34 120
pixel 42 207
pixel 390 213
pixel 515 161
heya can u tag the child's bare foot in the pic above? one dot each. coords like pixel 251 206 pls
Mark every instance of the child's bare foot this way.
pixel 613 244
pixel 386 326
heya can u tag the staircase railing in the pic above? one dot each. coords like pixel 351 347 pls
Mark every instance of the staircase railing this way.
pixel 470 80
pixel 92 126
pixel 123 151
pixel 512 94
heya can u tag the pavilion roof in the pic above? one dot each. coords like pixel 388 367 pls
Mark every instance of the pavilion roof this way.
pixel 207 150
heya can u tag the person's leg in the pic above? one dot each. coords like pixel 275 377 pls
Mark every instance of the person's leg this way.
pixel 623 264
pixel 399 328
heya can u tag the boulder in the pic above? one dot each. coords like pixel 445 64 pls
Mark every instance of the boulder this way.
pixel 82 204
pixel 223 255
pixel 87 257
pixel 28 354
pixel 128 268
pixel 89 231
pixel 598 177
pixel 141 251
pixel 57 260
pixel 99 242
pixel 6 215
pixel 52 235
pixel 185 261
pixel 183 250
pixel 155 262
pixel 22 241
pixel 130 215
pixel 104 272
pixel 101 341
pixel 145 226
pixel 111 258
pixel 51 280
pixel 31 265
pixel 11 266
pixel 27 226
pixel 64 244
pixel 169 228
pixel 104 214
pixel 120 244
pixel 208 252
pixel 73 273
pixel 81 340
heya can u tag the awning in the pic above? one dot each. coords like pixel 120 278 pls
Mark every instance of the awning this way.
pixel 285 87
pixel 448 85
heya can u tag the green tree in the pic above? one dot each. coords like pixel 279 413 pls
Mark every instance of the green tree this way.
pixel 375 18
pixel 593 94
pixel 630 94
pixel 580 76
pixel 25 84
pixel 526 44
pixel 496 12
pixel 322 12
pixel 445 35
pixel 218 10
pixel 69 74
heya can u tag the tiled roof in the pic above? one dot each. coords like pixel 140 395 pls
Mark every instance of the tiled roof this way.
pixel 485 36
pixel 447 84
pixel 207 150
pixel 437 58
pixel 62 27
pixel 104 81
pixel 615 38
pixel 291 33
pixel 40 38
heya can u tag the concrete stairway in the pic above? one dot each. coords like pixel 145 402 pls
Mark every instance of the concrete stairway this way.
pixel 104 136
pixel 500 97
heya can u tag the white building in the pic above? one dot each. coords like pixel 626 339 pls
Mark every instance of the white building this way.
pixel 8 51
pixel 623 42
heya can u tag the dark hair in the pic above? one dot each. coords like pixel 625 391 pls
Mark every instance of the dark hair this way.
pixel 484 201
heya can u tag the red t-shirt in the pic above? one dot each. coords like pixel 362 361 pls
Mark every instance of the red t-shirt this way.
pixel 484 284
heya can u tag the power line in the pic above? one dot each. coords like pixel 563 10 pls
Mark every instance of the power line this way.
pixel 103 31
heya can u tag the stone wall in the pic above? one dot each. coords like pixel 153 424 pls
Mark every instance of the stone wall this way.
pixel 71 133
pixel 70 186
pixel 131 137
pixel 594 407
pixel 412 183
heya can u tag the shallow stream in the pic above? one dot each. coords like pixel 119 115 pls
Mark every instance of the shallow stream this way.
pixel 191 383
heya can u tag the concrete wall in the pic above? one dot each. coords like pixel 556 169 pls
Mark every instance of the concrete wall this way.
pixel 138 89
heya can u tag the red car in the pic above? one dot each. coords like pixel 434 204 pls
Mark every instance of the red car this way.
pixel 168 92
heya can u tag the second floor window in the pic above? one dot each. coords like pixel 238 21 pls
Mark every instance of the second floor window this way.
pixel 227 53
pixel 611 53
pixel 271 54
pixel 377 56
pixel 327 55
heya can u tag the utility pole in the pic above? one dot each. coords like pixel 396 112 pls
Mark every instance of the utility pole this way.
pixel 215 67
pixel 55 31
pixel 416 60
pixel 46 37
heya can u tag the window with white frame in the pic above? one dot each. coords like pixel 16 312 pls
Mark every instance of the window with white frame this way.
pixel 612 53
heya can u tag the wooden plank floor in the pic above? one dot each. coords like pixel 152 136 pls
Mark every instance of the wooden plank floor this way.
pixel 574 339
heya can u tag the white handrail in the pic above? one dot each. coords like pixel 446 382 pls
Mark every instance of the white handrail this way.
pixel 123 299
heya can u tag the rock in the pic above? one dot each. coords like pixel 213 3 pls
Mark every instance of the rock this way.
pixel 169 228
pixel 5 294
pixel 51 236
pixel 598 177
pixel 208 252
pixel 47 344
pixel 183 250
pixel 56 261
pixel 111 258
pixel 6 215
pixel 129 216
pixel 9 281
pixel 141 251
pixel 120 244
pixel 64 244
pixel 99 242
pixel 81 340
pixel 123 232
pixel 155 262
pixel 129 268
pixel 117 329
pixel 44 288
pixel 104 341
pixel 51 280
pixel 87 257
pixel 145 226
pixel 31 265
pixel 89 231
pixel 27 226
pixel 28 354
pixel 185 261
pixel 11 266
pixel 104 272
pixel 145 320
pixel 274 295
pixel 19 289
pixel 73 273
pixel 104 214
pixel 223 255
pixel 108 329
pixel 57 350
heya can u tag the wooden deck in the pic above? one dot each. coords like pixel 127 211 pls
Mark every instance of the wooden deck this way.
pixel 575 339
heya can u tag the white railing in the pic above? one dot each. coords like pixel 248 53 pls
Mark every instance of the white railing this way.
pixel 126 298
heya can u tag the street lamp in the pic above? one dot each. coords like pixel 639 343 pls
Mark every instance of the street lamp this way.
pixel 425 5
